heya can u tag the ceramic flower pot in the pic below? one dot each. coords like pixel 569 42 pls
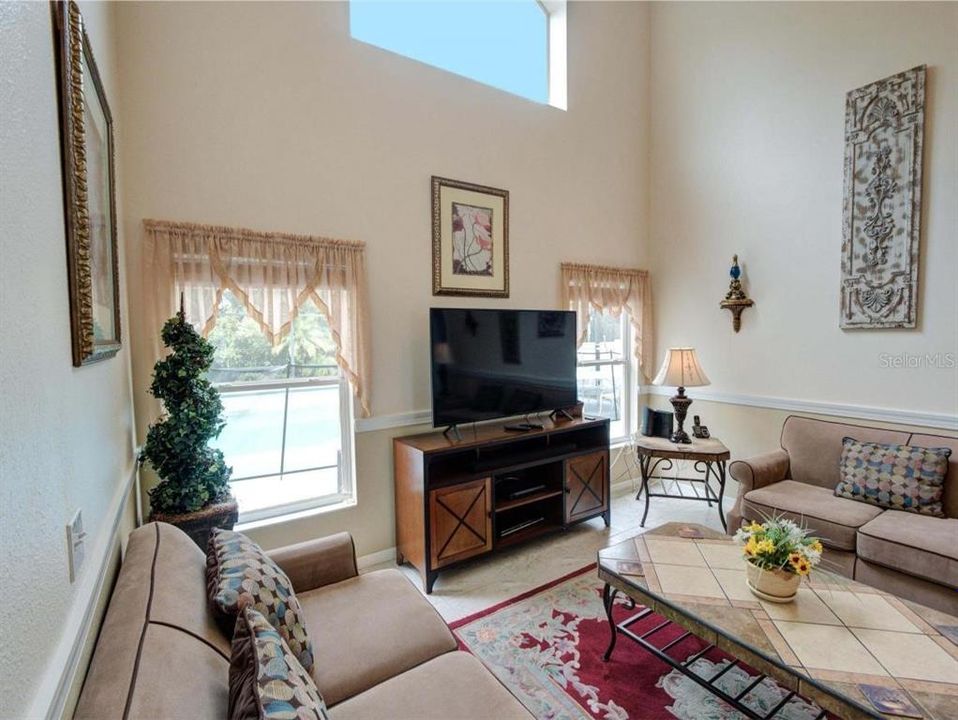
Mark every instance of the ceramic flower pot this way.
pixel 773 585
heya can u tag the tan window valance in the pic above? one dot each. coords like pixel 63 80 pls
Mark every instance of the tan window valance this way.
pixel 612 290
pixel 273 275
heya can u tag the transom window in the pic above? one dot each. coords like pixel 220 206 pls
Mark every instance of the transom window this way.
pixel 514 45
pixel 605 372
pixel 288 413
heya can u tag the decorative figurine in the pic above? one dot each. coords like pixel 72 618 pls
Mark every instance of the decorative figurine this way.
pixel 735 299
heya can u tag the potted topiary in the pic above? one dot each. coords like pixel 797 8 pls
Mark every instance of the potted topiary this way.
pixel 194 492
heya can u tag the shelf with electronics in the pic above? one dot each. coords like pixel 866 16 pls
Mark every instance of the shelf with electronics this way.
pixel 461 498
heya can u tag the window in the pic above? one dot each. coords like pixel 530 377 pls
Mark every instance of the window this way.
pixel 517 46
pixel 288 431
pixel 614 308
pixel 605 384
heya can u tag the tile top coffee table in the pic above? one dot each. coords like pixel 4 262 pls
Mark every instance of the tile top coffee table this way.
pixel 837 636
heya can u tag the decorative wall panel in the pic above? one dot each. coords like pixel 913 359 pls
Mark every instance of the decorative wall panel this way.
pixel 884 124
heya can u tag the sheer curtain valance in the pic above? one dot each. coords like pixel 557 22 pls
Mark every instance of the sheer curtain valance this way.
pixel 612 290
pixel 273 275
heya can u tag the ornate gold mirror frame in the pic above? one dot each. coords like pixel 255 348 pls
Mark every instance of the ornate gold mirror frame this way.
pixel 92 259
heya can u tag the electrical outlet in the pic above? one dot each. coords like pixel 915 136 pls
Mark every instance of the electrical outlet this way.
pixel 75 544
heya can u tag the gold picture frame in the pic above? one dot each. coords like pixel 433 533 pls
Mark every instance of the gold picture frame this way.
pixel 470 239
pixel 89 191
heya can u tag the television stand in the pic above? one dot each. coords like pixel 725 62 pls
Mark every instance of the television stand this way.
pixel 457 500
pixel 561 412
pixel 519 427
pixel 453 430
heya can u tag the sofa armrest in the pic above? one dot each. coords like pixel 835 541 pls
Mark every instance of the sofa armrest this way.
pixel 755 472
pixel 761 470
pixel 315 563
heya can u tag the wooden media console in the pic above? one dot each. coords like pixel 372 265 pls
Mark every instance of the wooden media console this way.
pixel 457 499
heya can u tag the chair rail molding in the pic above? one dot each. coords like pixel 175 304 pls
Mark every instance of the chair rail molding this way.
pixel 918 418
pixel 395 420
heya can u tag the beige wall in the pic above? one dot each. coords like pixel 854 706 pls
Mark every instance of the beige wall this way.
pixel 66 434
pixel 283 122
pixel 747 157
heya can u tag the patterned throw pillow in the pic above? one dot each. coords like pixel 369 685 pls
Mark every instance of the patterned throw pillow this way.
pixel 897 477
pixel 239 574
pixel 266 680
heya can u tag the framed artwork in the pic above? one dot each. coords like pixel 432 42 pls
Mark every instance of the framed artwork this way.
pixel 470 239
pixel 884 136
pixel 86 146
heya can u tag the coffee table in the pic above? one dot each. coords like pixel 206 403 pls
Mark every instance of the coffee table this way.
pixel 837 635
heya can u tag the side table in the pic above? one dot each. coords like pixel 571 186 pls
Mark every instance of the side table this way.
pixel 709 455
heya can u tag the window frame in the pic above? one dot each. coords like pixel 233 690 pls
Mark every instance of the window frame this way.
pixel 557 52
pixel 346 476
pixel 557 93
pixel 629 364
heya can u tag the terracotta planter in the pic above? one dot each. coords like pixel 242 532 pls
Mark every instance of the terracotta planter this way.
pixel 772 585
pixel 199 524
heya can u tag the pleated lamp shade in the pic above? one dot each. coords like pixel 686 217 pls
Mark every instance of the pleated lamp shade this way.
pixel 681 369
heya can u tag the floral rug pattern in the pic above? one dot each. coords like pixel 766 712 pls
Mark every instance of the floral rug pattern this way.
pixel 547 647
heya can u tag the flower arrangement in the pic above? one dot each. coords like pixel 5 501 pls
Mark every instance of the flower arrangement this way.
pixel 780 544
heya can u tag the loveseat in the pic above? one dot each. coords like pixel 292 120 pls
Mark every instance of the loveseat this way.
pixel 911 555
pixel 381 650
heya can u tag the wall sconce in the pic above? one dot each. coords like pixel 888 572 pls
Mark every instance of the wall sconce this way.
pixel 735 299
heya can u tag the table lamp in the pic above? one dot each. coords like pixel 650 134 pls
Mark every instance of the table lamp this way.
pixel 681 369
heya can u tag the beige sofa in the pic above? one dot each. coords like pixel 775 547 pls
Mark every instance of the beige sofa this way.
pixel 381 649
pixel 914 556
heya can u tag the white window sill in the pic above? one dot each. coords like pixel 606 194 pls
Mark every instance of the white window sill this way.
pixel 294 516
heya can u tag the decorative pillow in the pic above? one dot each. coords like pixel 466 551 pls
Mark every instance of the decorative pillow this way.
pixel 239 574
pixel 897 477
pixel 266 680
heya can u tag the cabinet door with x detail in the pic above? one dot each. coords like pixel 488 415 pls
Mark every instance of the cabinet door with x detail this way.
pixel 585 485
pixel 460 521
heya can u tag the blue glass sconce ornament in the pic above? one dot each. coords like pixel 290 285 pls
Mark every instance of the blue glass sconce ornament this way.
pixel 735 299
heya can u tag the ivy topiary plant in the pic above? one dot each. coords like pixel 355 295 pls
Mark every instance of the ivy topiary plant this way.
pixel 194 475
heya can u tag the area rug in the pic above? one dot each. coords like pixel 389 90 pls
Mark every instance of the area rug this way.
pixel 546 646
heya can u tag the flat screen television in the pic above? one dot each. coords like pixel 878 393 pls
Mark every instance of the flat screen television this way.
pixel 489 364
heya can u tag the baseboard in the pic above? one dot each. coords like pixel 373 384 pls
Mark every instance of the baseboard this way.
pixel 54 688
pixel 376 558
pixel 817 407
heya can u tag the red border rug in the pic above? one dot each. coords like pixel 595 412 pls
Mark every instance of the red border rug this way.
pixel 546 646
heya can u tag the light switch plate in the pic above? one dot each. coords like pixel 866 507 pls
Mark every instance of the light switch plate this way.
pixel 75 544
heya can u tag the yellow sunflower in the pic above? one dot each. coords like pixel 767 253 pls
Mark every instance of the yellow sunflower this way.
pixel 765 547
pixel 800 563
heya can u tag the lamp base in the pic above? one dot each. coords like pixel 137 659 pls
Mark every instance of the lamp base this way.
pixel 680 403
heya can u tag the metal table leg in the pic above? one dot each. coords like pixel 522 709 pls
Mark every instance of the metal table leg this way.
pixel 608 600
pixel 721 476
pixel 644 461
